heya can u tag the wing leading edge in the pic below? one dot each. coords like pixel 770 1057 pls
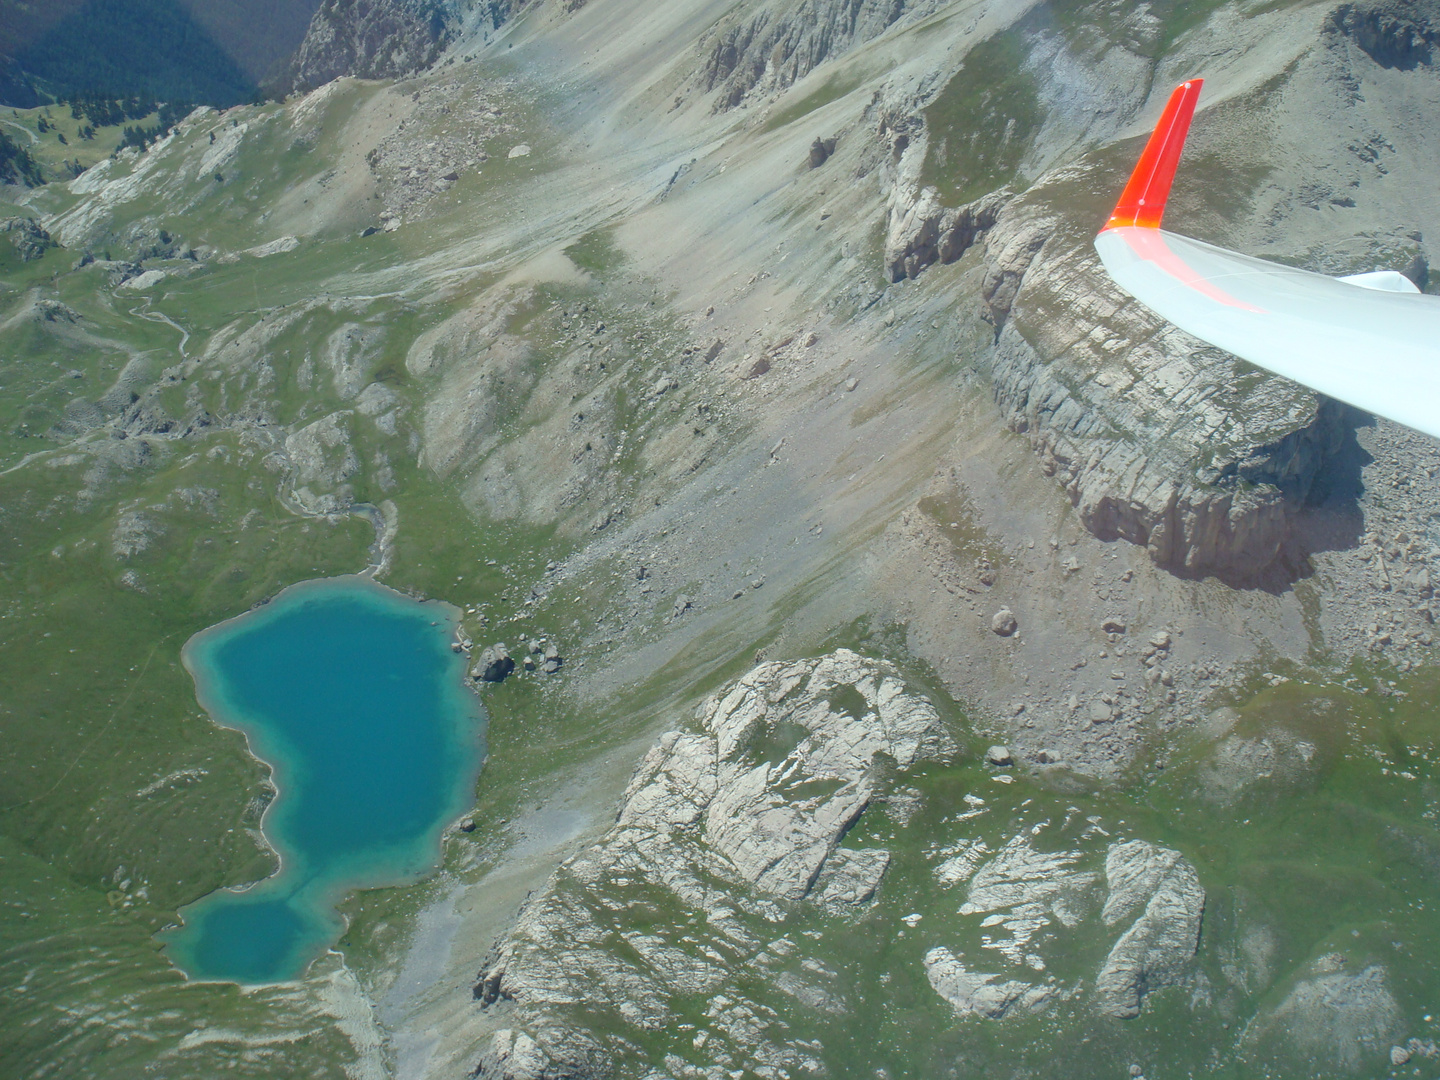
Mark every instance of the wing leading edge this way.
pixel 1369 341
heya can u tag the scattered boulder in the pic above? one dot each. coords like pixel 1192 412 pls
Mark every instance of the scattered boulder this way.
pixel 1113 625
pixel 1100 712
pixel 999 756
pixel 494 664
pixel 1004 623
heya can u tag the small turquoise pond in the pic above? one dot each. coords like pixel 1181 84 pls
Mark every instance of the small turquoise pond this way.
pixel 351 693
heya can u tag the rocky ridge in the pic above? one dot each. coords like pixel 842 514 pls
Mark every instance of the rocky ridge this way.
pixel 739 818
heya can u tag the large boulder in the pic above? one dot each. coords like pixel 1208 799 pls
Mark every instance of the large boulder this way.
pixel 494 664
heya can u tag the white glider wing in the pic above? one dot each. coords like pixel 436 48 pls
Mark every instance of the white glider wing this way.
pixel 1372 340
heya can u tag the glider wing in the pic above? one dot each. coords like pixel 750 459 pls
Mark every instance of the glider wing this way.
pixel 1371 340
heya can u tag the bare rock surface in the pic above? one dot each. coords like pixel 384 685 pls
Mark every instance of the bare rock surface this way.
pixel 978 994
pixel 1138 421
pixel 1339 1019
pixel 737 817
pixel 768 46
pixel 372 39
pixel 1031 900
pixel 1162 890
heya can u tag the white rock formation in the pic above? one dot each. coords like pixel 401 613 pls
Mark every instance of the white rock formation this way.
pixel 738 819
pixel 1158 947
pixel 974 993
pixel 1023 890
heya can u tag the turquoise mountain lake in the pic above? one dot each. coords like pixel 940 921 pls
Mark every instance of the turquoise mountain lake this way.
pixel 352 695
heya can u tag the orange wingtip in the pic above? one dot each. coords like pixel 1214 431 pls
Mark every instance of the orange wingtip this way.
pixel 1142 203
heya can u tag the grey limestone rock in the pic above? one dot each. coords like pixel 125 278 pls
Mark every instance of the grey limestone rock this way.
pixel 768 46
pixel 1340 1022
pixel 1023 890
pixel 494 664
pixel 374 39
pixel 923 232
pixel 1004 623
pixel 1157 438
pixel 1162 892
pixel 739 816
pixel 974 993
pixel 321 453
pixel 850 879
pixel 29 238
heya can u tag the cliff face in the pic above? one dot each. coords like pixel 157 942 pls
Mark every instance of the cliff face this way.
pixel 375 39
pixel 1159 439
pixel 770 46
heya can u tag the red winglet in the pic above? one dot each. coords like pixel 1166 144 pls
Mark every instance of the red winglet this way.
pixel 1142 202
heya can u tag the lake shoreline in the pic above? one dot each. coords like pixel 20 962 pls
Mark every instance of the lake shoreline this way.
pixel 278 769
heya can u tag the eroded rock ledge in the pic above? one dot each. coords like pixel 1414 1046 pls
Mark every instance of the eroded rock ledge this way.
pixel 1142 423
pixel 1159 439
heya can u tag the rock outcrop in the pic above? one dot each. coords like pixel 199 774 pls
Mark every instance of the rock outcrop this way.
pixel 30 240
pixel 977 994
pixel 1026 896
pixel 1338 1019
pixel 1142 424
pixel 1162 891
pixel 739 819
pixel 923 231
pixel 776 43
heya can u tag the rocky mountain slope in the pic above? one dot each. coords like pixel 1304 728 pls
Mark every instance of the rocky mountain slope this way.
pixel 754 356
pixel 742 821
pixel 212 51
